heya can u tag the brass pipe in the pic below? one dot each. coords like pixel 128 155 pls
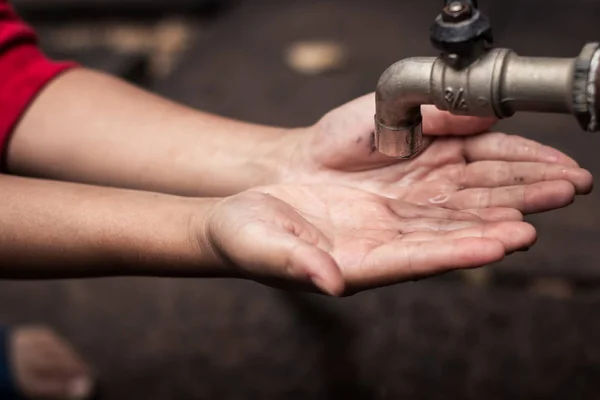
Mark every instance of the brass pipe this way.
pixel 497 84
pixel 401 90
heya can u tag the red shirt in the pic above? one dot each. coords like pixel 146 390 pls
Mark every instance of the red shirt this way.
pixel 24 70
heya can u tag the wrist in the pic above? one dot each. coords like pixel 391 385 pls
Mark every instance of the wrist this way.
pixel 176 243
pixel 208 259
pixel 281 154
pixel 243 156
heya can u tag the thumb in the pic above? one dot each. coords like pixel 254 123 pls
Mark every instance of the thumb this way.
pixel 286 256
pixel 318 265
pixel 437 122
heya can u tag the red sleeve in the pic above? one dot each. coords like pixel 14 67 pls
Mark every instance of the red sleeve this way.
pixel 24 70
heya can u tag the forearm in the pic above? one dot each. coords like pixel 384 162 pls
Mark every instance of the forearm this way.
pixel 92 128
pixel 61 230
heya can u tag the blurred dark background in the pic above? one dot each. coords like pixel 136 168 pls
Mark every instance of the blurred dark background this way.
pixel 527 328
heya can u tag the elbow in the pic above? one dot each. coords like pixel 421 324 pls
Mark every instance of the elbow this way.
pixel 401 91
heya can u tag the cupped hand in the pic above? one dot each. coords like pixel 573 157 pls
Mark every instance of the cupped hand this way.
pixel 342 240
pixel 462 169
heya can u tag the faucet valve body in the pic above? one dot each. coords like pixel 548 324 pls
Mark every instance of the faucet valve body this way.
pixel 471 78
pixel 498 84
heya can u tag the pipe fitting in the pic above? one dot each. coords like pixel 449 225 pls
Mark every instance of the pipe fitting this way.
pixel 400 142
pixel 401 90
pixel 497 84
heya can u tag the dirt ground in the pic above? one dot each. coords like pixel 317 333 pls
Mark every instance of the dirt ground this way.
pixel 526 328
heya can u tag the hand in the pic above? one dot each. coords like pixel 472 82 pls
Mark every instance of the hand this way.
pixel 343 240
pixel 45 366
pixel 462 170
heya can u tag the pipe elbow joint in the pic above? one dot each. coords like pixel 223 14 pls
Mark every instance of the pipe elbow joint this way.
pixel 401 91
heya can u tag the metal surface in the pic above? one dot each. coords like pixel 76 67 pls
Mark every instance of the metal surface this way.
pixel 584 103
pixel 498 84
pixel 594 92
pixel 535 84
pixel 471 78
pixel 461 29
pixel 401 90
pixel 457 11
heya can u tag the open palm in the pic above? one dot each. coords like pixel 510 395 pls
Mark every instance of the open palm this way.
pixel 344 240
pixel 460 170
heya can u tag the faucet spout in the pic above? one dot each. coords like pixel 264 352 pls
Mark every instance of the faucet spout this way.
pixel 496 84
pixel 401 90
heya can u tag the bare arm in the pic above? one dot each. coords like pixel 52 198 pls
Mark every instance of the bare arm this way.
pixel 51 230
pixel 93 128
pixel 57 230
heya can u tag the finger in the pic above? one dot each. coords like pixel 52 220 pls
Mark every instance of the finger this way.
pixel 399 261
pixel 538 197
pixel 438 122
pixel 501 173
pixel 304 260
pixel 496 214
pixel 503 147
pixel 283 255
pixel 320 267
pixel 514 235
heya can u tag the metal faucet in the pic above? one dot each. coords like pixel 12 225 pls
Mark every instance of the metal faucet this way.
pixel 470 77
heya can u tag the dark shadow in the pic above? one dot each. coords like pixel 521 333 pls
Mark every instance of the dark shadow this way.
pixel 335 336
pixel 500 14
pixel 90 10
pixel 131 66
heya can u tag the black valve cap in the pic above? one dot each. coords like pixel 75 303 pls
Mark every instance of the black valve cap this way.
pixel 460 28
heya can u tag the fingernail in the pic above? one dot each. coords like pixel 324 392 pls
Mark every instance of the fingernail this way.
pixel 79 388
